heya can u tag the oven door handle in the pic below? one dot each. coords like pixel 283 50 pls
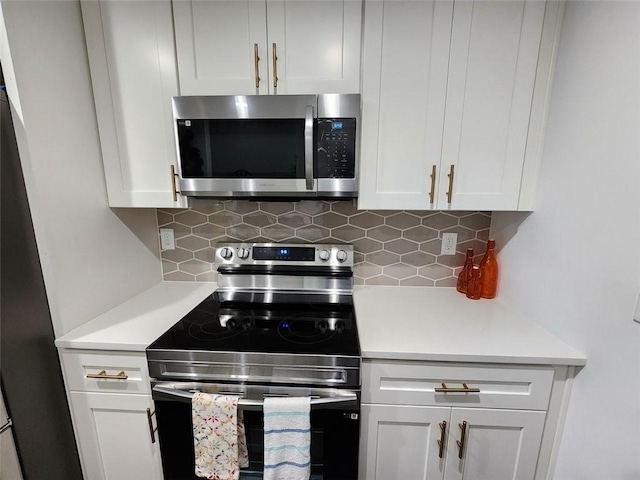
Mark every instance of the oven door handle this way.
pixel 185 396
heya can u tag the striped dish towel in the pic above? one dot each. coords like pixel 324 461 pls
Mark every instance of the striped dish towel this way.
pixel 287 438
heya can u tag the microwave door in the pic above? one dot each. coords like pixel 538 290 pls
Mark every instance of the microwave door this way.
pixel 269 152
pixel 248 157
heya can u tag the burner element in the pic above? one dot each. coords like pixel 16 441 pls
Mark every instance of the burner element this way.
pixel 305 329
pixel 219 327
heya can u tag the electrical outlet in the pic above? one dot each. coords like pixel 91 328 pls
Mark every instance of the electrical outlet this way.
pixel 167 240
pixel 449 241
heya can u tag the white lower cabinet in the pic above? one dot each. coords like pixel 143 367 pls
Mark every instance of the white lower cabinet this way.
pixel 113 414
pixel 404 442
pixel 401 442
pixel 498 444
pixel 114 436
pixel 453 421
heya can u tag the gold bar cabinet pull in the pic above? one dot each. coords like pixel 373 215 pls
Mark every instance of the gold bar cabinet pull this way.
pixel 432 192
pixel 275 65
pixel 173 183
pixel 152 431
pixel 443 429
pixel 463 438
pixel 102 374
pixel 450 191
pixel 464 389
pixel 256 59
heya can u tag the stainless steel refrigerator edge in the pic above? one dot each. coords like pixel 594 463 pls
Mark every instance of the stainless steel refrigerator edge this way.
pixel 32 383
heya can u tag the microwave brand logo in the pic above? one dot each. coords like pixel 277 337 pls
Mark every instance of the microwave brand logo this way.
pixel 266 184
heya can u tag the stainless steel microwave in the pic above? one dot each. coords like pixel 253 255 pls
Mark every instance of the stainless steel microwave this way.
pixel 268 146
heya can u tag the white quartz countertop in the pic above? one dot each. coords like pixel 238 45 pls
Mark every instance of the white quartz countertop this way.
pixel 440 324
pixel 134 324
pixel 403 323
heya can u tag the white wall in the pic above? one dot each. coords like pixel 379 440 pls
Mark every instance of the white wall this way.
pixel 574 264
pixel 92 257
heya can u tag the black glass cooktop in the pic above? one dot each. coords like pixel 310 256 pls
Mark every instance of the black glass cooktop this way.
pixel 298 328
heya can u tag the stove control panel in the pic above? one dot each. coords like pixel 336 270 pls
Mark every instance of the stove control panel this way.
pixel 284 254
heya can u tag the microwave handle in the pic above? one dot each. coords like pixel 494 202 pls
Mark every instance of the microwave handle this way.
pixel 308 147
pixel 249 404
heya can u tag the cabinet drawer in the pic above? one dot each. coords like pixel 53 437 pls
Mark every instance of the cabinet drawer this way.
pixel 82 368
pixel 416 383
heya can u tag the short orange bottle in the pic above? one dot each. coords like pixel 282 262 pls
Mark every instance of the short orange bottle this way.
pixel 489 272
pixel 473 285
pixel 463 277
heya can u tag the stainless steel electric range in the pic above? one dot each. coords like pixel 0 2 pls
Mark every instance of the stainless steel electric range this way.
pixel 281 323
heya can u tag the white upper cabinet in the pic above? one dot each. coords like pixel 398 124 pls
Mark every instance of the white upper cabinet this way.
pixel 493 60
pixel 247 47
pixel 454 96
pixel 219 45
pixel 406 57
pixel 133 71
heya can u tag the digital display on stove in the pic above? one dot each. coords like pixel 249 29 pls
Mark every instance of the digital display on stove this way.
pixel 297 254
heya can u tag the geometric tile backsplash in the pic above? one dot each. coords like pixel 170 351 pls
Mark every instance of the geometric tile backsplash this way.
pixel 391 247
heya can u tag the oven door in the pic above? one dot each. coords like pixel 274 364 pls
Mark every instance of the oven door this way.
pixel 246 145
pixel 335 428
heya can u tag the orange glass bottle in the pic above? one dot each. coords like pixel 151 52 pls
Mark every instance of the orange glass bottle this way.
pixel 489 272
pixel 473 285
pixel 463 277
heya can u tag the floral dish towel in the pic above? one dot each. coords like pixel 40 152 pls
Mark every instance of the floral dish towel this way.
pixel 215 436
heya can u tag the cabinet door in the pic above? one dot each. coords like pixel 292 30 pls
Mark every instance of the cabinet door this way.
pixel 405 63
pixel 217 43
pixel 492 71
pixel 133 71
pixel 402 442
pixel 317 45
pixel 499 444
pixel 114 437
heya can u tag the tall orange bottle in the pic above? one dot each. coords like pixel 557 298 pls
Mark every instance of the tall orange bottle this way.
pixel 489 272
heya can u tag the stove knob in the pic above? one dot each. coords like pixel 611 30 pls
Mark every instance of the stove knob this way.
pixel 226 253
pixel 324 255
pixel 341 256
pixel 243 253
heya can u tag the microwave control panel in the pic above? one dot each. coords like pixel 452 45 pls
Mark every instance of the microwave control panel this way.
pixel 336 144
